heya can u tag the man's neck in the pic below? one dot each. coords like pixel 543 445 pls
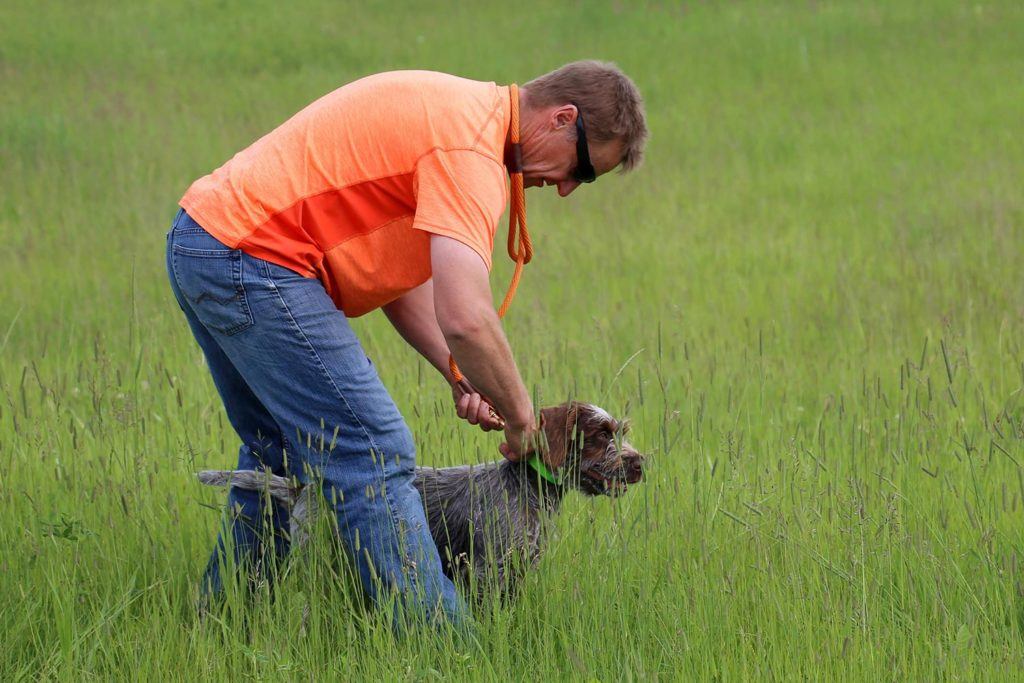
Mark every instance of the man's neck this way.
pixel 510 158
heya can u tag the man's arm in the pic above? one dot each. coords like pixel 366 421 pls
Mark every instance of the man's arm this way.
pixel 473 332
pixel 413 316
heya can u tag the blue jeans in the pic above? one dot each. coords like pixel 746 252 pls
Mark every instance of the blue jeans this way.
pixel 306 402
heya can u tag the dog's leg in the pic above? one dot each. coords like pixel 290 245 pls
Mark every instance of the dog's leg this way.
pixel 305 512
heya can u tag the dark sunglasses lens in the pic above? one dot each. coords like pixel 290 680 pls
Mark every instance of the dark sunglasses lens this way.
pixel 584 171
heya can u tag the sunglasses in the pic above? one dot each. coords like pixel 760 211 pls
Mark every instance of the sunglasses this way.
pixel 584 171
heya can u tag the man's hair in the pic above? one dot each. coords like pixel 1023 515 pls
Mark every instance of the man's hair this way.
pixel 609 101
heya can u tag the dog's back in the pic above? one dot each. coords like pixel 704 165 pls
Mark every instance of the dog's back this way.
pixel 487 520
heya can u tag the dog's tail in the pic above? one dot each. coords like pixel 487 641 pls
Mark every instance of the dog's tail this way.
pixel 280 489
pixel 303 502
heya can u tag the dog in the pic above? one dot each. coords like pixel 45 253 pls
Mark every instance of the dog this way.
pixel 490 521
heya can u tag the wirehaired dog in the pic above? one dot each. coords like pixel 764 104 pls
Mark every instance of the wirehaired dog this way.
pixel 490 521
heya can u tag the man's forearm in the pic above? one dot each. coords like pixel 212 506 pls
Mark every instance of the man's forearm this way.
pixel 472 330
pixel 414 318
pixel 485 358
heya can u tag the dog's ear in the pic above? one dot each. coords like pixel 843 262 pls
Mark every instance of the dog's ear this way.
pixel 559 426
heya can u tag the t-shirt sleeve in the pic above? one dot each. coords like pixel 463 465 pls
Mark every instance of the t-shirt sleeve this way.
pixel 460 194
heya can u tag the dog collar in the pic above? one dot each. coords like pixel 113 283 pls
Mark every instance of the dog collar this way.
pixel 542 469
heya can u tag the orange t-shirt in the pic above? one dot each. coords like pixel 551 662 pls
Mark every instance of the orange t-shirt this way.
pixel 349 189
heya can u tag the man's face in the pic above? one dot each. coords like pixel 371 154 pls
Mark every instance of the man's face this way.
pixel 549 151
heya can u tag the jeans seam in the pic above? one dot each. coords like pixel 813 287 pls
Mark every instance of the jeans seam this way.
pixel 243 296
pixel 323 369
pixel 203 253
pixel 396 525
pixel 264 270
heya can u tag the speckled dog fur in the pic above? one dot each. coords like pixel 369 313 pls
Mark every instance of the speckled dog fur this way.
pixel 489 521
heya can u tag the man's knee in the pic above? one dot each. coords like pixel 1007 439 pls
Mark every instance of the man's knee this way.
pixel 400 452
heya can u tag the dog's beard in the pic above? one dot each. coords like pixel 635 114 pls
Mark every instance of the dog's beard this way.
pixel 607 477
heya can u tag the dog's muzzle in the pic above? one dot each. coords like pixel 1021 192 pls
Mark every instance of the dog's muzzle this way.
pixel 614 481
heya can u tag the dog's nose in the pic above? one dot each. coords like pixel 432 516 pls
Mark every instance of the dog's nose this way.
pixel 634 465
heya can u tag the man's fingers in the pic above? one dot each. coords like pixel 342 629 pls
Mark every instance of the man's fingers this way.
pixel 490 423
pixel 507 453
pixel 486 416
pixel 512 449
pixel 476 410
pixel 473 411
pixel 462 406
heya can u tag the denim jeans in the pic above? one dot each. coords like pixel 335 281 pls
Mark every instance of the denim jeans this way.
pixel 305 401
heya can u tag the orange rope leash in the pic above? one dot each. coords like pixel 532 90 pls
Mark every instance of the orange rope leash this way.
pixel 520 249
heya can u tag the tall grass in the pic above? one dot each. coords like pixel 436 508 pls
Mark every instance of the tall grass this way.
pixel 808 300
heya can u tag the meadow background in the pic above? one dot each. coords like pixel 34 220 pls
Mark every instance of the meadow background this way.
pixel 809 300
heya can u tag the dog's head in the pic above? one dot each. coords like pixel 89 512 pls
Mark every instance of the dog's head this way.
pixel 587 448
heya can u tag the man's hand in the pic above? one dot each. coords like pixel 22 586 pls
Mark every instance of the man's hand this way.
pixel 472 407
pixel 522 441
pixel 413 316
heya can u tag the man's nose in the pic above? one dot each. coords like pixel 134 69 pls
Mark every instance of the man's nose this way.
pixel 566 187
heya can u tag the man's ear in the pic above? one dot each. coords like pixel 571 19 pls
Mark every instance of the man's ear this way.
pixel 559 427
pixel 564 117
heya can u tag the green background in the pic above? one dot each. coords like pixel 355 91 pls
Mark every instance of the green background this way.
pixel 808 300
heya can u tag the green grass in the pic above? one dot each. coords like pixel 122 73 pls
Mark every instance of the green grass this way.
pixel 816 275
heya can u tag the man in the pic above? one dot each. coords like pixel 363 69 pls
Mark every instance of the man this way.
pixel 385 193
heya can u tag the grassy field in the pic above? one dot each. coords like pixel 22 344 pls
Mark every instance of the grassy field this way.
pixel 809 300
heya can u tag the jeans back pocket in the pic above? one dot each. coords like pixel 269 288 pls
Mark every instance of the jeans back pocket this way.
pixel 209 275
